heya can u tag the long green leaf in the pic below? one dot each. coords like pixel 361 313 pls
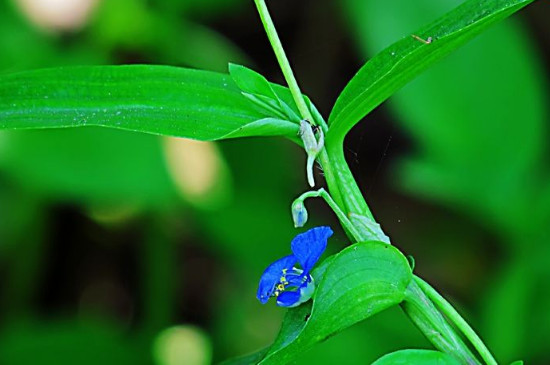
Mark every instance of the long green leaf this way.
pixel 466 140
pixel 417 357
pixel 391 69
pixel 153 99
pixel 353 285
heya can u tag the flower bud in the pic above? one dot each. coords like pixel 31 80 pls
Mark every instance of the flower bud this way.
pixel 308 137
pixel 313 145
pixel 299 213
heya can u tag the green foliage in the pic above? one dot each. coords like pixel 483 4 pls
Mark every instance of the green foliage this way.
pixel 93 165
pixel 353 285
pixel 481 152
pixel 66 165
pixel 420 357
pixel 65 343
pixel 161 31
pixel 392 68
pixel 153 99
pixel 465 152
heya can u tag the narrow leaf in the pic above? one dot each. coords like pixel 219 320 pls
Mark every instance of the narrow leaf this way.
pixel 152 99
pixel 463 115
pixel 391 69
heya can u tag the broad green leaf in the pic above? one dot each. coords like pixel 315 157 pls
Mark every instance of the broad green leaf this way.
pixel 519 362
pixel 153 99
pixel 353 285
pixel 420 357
pixel 391 69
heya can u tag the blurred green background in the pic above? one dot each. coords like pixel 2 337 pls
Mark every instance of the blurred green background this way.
pixel 122 248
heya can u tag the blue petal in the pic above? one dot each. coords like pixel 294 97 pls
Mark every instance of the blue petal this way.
pixel 295 278
pixel 309 246
pixel 272 275
pixel 288 299
pixel 291 299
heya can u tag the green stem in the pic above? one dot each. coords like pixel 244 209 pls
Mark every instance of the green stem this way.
pixel 433 325
pixel 347 195
pixel 459 322
pixel 330 177
pixel 343 180
pixel 283 60
pixel 346 223
pixel 417 306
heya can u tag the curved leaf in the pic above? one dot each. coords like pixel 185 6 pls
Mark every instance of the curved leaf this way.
pixel 391 69
pixel 153 99
pixel 420 357
pixel 466 141
pixel 353 285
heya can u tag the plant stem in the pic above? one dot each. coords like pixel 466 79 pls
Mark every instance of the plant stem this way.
pixel 344 221
pixel 283 60
pixel 348 199
pixel 433 325
pixel 417 304
pixel 459 322
pixel 330 177
pixel 353 200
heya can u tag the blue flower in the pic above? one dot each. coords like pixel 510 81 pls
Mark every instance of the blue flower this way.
pixel 293 286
